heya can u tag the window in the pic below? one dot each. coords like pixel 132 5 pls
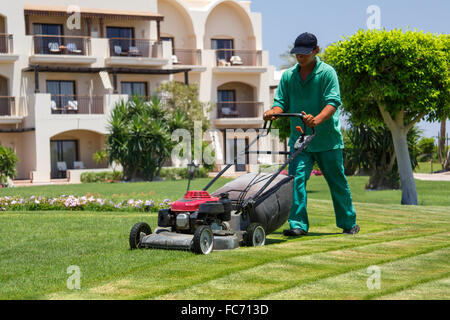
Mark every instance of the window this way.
pixel 44 44
pixel 62 151
pixel 134 88
pixel 122 39
pixel 61 93
pixel 225 103
pixel 223 47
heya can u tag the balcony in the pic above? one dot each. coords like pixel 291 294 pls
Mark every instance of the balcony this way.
pixel 239 114
pixel 238 61
pixel 191 57
pixel 6 49
pixel 9 114
pixel 61 49
pixel 135 52
pixel 76 104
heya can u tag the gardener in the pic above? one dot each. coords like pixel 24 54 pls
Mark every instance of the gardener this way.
pixel 311 87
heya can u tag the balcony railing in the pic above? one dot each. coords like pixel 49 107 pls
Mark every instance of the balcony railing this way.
pixel 70 45
pixel 127 47
pixel 7 106
pixel 6 43
pixel 232 57
pixel 187 56
pixel 238 109
pixel 74 104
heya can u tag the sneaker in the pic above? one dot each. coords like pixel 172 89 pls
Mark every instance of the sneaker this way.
pixel 353 230
pixel 294 232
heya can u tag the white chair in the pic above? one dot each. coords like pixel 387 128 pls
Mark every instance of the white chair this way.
pixel 72 47
pixel 117 50
pixel 174 59
pixel 54 47
pixel 78 165
pixel 62 168
pixel 134 51
pixel 72 105
pixel 223 63
pixel 236 60
pixel 53 105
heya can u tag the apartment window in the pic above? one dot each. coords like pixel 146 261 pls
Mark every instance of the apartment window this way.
pixel 225 103
pixel 61 93
pixel 122 38
pixel 134 88
pixel 47 43
pixel 223 47
pixel 62 151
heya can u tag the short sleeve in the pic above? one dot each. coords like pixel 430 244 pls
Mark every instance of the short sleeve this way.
pixel 281 98
pixel 331 92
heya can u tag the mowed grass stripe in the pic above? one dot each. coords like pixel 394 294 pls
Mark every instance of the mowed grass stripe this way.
pixel 395 276
pixel 151 281
pixel 284 274
pixel 430 290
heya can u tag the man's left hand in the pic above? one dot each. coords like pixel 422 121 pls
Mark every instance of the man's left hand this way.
pixel 309 120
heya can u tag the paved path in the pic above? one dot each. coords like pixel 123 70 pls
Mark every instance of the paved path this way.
pixel 445 176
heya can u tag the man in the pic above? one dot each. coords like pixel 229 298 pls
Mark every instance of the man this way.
pixel 311 87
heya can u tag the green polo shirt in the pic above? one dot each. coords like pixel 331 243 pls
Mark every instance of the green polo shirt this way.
pixel 320 89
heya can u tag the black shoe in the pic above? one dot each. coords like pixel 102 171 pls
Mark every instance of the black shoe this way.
pixel 294 232
pixel 353 230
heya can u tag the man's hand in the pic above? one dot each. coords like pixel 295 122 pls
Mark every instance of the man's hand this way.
pixel 323 116
pixel 269 114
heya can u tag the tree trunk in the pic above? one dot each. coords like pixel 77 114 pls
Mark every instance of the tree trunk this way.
pixel 407 183
pixel 399 137
pixel 441 144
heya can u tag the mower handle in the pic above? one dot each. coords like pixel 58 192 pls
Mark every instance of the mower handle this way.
pixel 287 115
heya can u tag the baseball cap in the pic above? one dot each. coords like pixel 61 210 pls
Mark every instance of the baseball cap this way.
pixel 304 44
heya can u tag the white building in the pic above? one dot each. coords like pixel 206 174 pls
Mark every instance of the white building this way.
pixel 63 68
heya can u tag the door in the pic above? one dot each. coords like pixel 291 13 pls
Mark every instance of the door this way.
pixel 61 93
pixel 224 99
pixel 223 47
pixel 134 88
pixel 43 44
pixel 234 148
pixel 121 40
pixel 62 151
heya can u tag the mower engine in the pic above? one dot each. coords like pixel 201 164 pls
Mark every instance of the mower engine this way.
pixel 195 209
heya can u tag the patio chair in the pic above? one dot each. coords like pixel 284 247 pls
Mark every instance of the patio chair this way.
pixel 134 51
pixel 174 59
pixel 117 50
pixel 223 63
pixel 236 60
pixel 72 105
pixel 78 165
pixel 53 47
pixel 72 47
pixel 62 169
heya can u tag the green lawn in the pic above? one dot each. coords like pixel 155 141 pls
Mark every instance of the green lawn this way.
pixel 410 245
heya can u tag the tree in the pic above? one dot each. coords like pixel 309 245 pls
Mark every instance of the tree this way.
pixel 396 78
pixel 183 98
pixel 140 136
pixel 369 149
pixel 426 148
pixel 289 59
pixel 8 162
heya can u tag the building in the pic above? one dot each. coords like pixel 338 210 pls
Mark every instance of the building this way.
pixel 63 68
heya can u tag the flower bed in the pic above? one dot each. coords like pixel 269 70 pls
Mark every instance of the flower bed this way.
pixel 73 203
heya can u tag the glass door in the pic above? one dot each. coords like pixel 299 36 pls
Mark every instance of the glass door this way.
pixel 45 44
pixel 233 148
pixel 122 39
pixel 223 48
pixel 61 93
pixel 62 151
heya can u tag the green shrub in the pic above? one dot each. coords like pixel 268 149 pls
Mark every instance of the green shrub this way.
pixel 104 176
pixel 182 173
pixel 8 161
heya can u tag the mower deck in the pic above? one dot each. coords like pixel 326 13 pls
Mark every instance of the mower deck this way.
pixel 165 239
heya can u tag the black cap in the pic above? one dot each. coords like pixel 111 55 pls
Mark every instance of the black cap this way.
pixel 304 44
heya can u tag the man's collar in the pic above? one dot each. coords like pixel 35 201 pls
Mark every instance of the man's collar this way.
pixel 317 68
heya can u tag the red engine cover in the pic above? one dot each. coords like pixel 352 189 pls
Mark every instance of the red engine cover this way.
pixel 192 201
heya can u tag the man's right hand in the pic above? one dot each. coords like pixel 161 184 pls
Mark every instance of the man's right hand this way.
pixel 269 114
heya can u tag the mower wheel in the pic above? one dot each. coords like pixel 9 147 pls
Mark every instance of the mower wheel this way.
pixel 138 231
pixel 255 236
pixel 203 241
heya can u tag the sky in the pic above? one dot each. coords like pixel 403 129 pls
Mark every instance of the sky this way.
pixel 330 20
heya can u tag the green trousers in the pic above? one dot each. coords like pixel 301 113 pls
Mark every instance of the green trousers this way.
pixel 331 164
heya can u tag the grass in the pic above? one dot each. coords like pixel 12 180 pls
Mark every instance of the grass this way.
pixel 410 245
pixel 426 167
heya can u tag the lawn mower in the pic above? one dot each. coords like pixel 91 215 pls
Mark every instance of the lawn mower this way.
pixel 242 212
